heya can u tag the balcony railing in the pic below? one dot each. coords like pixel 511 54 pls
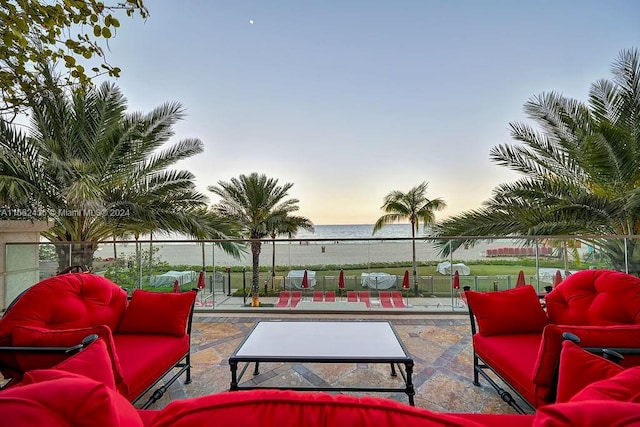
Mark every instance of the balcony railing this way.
pixel 374 265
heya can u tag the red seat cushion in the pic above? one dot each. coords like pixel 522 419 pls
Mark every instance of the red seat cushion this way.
pixel 513 311
pixel 280 408
pixel 158 313
pixel 513 357
pixel 145 358
pixel 595 297
pixel 622 387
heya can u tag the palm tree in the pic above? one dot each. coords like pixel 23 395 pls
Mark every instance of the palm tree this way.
pixel 258 205
pixel 100 173
pixel 284 225
pixel 580 167
pixel 414 206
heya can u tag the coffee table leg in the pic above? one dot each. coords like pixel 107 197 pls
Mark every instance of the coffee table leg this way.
pixel 393 370
pixel 256 370
pixel 234 376
pixel 410 390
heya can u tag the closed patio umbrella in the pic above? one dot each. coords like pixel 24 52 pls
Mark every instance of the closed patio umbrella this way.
pixel 455 283
pixel 520 281
pixel 201 281
pixel 176 286
pixel 341 281
pixel 406 284
pixel 557 278
pixel 305 281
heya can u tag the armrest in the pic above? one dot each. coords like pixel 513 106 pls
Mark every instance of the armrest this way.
pixel 159 313
pixel 64 350
pixel 27 336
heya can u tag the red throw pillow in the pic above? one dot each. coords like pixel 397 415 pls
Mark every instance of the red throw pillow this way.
pixel 29 336
pixel 579 368
pixel 157 313
pixel 514 311
pixel 623 387
pixel 51 398
pixel 93 362
pixel 588 414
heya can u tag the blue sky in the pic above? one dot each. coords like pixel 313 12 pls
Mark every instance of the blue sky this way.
pixel 350 100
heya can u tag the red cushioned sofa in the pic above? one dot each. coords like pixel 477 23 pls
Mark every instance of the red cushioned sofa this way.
pixel 520 342
pixel 80 391
pixel 147 336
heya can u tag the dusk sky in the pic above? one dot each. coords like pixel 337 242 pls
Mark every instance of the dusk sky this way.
pixel 350 100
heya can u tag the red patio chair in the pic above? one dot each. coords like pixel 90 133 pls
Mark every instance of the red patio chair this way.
pixel 330 296
pixel 352 296
pixel 317 296
pixel 296 296
pixel 363 296
pixel 385 299
pixel 283 300
pixel 396 297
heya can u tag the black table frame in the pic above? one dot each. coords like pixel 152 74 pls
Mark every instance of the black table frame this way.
pixel 406 373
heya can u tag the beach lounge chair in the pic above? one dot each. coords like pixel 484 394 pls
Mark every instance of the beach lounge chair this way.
pixel 363 296
pixel 330 296
pixel 396 297
pixel 283 299
pixel 352 296
pixel 296 296
pixel 317 296
pixel 385 299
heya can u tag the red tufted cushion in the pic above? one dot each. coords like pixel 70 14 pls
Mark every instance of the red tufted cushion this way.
pixel 595 297
pixel 69 301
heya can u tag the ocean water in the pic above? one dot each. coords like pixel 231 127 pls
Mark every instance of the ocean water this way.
pixel 357 231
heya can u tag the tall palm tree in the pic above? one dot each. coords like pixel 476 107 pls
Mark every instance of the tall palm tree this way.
pixel 413 206
pixel 580 170
pixel 99 172
pixel 259 206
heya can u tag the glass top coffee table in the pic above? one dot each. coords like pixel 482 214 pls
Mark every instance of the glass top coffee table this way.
pixel 324 342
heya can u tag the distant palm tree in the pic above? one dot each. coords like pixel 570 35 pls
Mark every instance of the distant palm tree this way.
pixel 580 171
pixel 284 225
pixel 100 173
pixel 413 206
pixel 258 205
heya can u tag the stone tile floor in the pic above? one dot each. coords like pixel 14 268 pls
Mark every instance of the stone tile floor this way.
pixel 440 346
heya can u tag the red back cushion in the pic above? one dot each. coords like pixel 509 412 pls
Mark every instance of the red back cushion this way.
pixel 92 362
pixel 279 408
pixel 514 311
pixel 57 398
pixel 595 297
pixel 579 368
pixel 68 301
pixel 158 313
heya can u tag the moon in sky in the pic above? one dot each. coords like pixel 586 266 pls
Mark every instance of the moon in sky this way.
pixel 251 21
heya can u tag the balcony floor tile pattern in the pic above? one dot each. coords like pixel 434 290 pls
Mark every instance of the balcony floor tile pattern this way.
pixel 440 346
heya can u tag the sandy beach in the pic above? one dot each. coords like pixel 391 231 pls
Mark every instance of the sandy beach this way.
pixel 296 254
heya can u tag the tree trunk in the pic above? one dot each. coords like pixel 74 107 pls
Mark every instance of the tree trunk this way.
pixel 255 277
pixel 81 254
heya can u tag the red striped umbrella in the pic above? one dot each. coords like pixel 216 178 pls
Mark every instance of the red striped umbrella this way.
pixel 305 281
pixel 456 280
pixel 176 286
pixel 405 280
pixel 341 279
pixel 201 280
pixel 520 282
